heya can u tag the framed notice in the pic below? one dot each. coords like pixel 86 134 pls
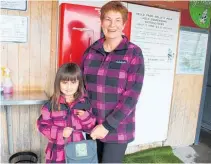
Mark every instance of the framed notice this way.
pixel 14 4
pixel 13 28
pixel 192 51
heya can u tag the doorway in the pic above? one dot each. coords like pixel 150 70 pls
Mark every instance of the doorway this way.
pixel 203 131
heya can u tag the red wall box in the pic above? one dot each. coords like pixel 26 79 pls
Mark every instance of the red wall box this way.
pixel 79 28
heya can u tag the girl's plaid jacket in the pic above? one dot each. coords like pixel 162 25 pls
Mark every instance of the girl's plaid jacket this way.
pixel 51 124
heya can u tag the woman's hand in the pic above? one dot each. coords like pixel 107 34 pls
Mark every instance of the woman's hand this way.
pixel 67 132
pixel 99 132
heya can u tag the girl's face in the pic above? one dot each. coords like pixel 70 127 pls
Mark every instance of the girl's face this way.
pixel 69 88
pixel 112 25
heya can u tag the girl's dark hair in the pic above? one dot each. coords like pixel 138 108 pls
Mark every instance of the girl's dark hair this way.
pixel 67 72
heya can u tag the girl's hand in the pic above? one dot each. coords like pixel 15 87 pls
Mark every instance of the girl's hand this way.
pixel 67 132
pixel 80 112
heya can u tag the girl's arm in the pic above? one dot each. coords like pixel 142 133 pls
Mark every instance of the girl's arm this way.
pixel 45 124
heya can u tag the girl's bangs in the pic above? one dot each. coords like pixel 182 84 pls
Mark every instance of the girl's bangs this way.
pixel 67 76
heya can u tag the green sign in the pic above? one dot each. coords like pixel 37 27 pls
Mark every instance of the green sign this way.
pixel 200 12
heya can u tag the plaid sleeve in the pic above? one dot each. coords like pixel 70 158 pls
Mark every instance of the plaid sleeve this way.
pixel 132 91
pixel 87 121
pixel 45 124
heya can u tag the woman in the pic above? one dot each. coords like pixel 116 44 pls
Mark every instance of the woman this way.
pixel 113 71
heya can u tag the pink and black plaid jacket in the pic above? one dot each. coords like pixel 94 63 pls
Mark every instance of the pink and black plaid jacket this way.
pixel 114 82
pixel 51 124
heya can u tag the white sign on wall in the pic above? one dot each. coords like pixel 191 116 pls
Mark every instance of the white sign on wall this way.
pixel 155 31
pixel 13 4
pixel 192 52
pixel 13 28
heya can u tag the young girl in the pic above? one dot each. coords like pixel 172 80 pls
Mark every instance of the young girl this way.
pixel 66 114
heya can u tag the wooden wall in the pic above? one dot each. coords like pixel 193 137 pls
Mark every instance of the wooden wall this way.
pixel 184 110
pixel 33 66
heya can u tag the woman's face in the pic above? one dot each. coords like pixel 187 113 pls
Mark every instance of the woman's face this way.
pixel 112 25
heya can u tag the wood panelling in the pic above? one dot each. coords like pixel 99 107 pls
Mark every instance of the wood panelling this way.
pixel 24 84
pixel 3 135
pixel 53 59
pixel 33 66
pixel 184 109
pixel 46 48
pixel 3 131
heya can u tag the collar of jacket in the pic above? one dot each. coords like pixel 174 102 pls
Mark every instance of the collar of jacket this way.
pixel 81 103
pixel 98 45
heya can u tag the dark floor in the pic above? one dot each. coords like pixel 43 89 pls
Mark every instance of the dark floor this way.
pixel 203 150
pixel 205 137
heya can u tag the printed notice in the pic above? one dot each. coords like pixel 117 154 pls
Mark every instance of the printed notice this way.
pixel 13 28
pixel 13 4
pixel 192 52
pixel 155 31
